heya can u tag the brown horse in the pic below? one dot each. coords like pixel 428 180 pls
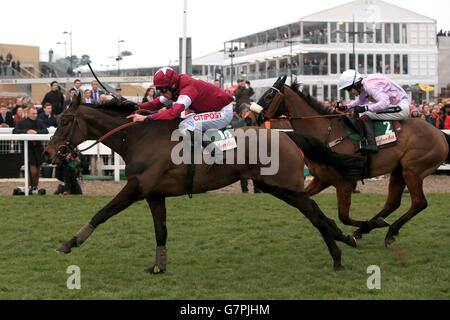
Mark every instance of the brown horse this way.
pixel 420 150
pixel 152 175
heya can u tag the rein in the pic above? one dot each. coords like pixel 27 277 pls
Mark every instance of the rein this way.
pixel 319 116
pixel 117 129
pixel 109 133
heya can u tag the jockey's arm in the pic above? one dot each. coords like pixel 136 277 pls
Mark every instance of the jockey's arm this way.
pixel 169 114
pixel 381 98
pixel 360 100
pixel 153 105
pixel 183 102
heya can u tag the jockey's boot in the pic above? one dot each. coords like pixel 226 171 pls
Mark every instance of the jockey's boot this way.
pixel 367 134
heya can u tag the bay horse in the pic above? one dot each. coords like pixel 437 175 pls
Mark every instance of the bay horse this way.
pixel 152 175
pixel 420 150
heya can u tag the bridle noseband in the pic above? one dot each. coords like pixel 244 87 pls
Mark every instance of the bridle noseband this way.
pixel 271 109
pixel 63 150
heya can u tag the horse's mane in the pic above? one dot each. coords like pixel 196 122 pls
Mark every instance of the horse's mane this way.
pixel 310 100
pixel 126 107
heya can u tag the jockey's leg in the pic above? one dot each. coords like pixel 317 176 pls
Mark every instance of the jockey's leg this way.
pixel 401 113
pixel 367 134
pixel 209 120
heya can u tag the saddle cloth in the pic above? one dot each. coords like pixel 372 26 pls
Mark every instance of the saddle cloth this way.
pixel 386 132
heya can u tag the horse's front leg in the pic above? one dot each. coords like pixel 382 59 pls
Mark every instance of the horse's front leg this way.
pixel 157 205
pixel 127 196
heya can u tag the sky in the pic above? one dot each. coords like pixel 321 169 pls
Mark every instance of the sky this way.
pixel 150 29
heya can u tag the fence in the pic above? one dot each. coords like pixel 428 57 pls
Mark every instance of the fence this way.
pixel 11 144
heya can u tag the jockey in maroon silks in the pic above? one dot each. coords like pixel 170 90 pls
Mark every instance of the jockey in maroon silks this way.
pixel 210 107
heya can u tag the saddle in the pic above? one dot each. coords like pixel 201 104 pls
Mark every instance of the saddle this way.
pixel 385 132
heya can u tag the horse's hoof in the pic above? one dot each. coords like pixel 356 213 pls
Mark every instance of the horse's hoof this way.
pixel 380 222
pixel 154 270
pixel 352 241
pixel 338 267
pixel 63 249
pixel 67 246
pixel 389 241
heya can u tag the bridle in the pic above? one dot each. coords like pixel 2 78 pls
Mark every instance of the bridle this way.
pixel 274 104
pixel 63 150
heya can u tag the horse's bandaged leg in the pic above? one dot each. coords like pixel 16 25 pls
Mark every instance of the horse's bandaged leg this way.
pixel 161 257
pixel 84 233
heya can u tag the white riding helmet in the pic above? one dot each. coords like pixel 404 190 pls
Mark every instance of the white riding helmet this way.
pixel 348 78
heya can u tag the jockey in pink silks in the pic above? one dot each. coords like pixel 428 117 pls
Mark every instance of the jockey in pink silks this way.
pixel 379 98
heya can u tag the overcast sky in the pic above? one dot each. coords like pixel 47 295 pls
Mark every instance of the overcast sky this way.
pixel 151 28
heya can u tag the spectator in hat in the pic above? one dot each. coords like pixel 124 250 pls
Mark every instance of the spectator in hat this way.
pixel 415 112
pixel 118 98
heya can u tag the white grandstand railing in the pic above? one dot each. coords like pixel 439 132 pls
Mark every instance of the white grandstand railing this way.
pixel 100 149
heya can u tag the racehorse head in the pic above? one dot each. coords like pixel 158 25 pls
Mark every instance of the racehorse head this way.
pixel 271 104
pixel 68 134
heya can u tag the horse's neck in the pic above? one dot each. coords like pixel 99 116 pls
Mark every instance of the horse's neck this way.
pixel 123 140
pixel 100 122
pixel 297 108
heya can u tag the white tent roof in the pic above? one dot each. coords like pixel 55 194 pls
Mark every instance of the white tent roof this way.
pixel 368 11
pixel 215 58
pixel 363 11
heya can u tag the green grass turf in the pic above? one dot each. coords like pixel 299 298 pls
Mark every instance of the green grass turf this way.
pixel 219 247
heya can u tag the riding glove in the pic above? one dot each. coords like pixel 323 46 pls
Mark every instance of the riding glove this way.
pixel 342 107
pixel 361 109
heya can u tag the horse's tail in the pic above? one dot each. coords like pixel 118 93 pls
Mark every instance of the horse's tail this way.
pixel 351 167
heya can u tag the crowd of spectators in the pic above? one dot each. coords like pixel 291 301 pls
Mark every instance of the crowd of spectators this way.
pixel 437 114
pixel 9 65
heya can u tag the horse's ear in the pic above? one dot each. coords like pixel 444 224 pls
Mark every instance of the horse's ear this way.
pixel 76 100
pixel 283 80
pixel 276 82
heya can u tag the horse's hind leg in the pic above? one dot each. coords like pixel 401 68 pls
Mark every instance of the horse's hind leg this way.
pixel 316 186
pixel 158 208
pixel 396 186
pixel 418 203
pixel 344 191
pixel 127 196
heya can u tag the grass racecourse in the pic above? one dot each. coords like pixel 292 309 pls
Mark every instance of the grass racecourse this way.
pixel 219 247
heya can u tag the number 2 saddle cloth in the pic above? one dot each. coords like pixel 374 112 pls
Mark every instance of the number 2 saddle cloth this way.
pixel 386 132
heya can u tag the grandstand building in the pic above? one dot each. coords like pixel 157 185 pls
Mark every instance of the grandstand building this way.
pixel 372 36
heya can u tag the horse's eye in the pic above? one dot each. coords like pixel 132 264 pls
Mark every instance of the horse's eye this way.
pixel 268 97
